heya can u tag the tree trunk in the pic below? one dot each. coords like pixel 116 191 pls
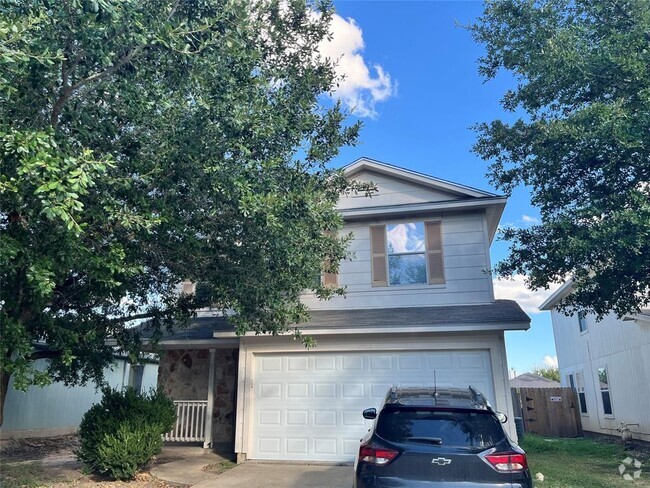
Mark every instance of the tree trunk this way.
pixel 4 387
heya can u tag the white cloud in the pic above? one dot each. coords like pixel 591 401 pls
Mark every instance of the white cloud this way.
pixel 550 361
pixel 406 238
pixel 529 220
pixel 516 289
pixel 361 87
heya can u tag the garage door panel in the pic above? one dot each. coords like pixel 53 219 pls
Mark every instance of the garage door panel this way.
pixel 307 406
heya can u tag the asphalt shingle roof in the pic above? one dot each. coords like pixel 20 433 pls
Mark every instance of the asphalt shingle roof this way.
pixel 502 312
pixel 531 380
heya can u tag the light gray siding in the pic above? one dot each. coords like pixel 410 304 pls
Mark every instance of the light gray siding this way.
pixel 465 252
pixel 57 409
pixel 391 192
pixel 623 347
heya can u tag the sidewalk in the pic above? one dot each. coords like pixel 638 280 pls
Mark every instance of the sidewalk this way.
pixel 280 475
pixel 183 466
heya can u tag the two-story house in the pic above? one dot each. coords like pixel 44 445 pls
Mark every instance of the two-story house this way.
pixel 419 309
pixel 607 363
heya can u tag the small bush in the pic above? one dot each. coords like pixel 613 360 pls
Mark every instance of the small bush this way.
pixel 123 454
pixel 122 433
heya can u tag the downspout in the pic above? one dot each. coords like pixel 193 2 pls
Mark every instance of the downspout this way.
pixel 207 443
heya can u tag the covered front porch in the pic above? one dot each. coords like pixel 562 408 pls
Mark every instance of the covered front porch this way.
pixel 202 382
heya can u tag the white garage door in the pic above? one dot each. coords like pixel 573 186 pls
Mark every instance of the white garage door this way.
pixel 307 406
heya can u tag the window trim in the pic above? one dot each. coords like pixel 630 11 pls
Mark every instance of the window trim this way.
pixel 608 389
pixel 584 393
pixel 582 320
pixel 136 376
pixel 439 281
pixel 422 253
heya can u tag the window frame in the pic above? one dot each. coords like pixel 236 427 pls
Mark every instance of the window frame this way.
pixel 433 254
pixel 581 393
pixel 583 327
pixel 609 415
pixel 423 253
pixel 136 376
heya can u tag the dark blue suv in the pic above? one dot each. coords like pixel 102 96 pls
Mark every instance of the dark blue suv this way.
pixel 438 437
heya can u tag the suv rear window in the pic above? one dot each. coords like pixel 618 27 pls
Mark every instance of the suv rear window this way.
pixel 447 428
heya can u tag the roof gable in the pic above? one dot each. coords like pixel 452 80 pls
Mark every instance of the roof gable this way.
pixel 403 192
pixel 392 179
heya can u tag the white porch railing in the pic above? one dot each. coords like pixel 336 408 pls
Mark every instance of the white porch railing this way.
pixel 190 421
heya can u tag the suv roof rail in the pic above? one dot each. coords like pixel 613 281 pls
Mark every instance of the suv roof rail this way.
pixel 478 397
pixel 467 397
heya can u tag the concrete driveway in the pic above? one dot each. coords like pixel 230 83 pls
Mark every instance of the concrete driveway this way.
pixel 280 475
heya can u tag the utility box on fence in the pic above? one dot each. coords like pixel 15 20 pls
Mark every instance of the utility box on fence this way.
pixel 549 412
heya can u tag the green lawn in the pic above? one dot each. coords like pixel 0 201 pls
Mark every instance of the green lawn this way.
pixel 581 463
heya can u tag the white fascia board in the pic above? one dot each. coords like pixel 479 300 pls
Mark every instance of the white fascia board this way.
pixel 412 176
pixel 215 343
pixel 398 329
pixel 640 317
pixel 557 295
pixel 493 215
pixel 373 212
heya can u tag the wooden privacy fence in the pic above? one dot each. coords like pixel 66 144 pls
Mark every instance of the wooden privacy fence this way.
pixel 549 412
pixel 190 422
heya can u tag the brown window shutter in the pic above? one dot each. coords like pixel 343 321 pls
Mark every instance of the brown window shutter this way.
pixel 435 260
pixel 188 287
pixel 378 255
pixel 330 280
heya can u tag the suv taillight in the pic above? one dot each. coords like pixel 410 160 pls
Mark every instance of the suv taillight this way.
pixel 507 462
pixel 376 455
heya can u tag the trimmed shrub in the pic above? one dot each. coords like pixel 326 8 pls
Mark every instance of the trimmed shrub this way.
pixel 123 454
pixel 124 431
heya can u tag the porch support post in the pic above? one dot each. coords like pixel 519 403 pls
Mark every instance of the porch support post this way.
pixel 210 408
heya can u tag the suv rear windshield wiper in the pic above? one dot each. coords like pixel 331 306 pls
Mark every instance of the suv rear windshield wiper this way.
pixel 431 440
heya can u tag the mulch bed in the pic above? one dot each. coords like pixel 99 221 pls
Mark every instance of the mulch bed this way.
pixel 37 448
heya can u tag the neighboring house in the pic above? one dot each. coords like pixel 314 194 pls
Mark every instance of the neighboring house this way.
pixel 532 380
pixel 608 364
pixel 57 409
pixel 419 309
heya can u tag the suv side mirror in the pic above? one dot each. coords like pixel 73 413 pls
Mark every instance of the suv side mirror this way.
pixel 502 417
pixel 370 413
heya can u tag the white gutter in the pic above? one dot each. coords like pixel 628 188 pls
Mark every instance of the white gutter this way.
pixel 394 329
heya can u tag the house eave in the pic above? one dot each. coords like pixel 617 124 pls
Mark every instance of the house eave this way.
pixel 322 331
pixel 351 214
pixel 638 317
pixel 214 343
pixel 557 295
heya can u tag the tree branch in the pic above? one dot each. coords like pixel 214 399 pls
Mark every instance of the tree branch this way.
pixel 146 315
pixel 67 91
pixel 45 354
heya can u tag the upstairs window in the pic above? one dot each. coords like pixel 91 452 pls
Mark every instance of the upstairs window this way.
pixel 582 323
pixel 407 253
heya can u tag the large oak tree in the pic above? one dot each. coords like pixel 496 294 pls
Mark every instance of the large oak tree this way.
pixel 581 143
pixel 147 142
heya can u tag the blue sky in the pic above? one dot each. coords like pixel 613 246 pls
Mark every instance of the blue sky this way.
pixel 412 78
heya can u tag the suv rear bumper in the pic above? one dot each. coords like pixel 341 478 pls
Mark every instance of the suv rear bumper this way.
pixel 374 482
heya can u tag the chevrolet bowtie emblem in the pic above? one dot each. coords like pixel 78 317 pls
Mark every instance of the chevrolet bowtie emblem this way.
pixel 441 461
